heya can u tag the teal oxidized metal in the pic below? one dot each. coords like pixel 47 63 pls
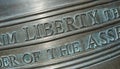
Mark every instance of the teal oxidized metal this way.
pixel 42 34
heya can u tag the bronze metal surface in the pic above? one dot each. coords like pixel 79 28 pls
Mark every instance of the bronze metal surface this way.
pixel 59 34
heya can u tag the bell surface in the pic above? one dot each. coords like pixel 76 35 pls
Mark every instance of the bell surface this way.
pixel 59 34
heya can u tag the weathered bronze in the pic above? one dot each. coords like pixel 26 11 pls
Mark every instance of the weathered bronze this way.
pixel 59 34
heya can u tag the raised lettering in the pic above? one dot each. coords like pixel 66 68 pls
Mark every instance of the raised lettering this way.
pixel 80 20
pixel 27 58
pixel 59 28
pixel 70 24
pixel 92 43
pixel 27 33
pixel 48 29
pixel 103 37
pixel 93 15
